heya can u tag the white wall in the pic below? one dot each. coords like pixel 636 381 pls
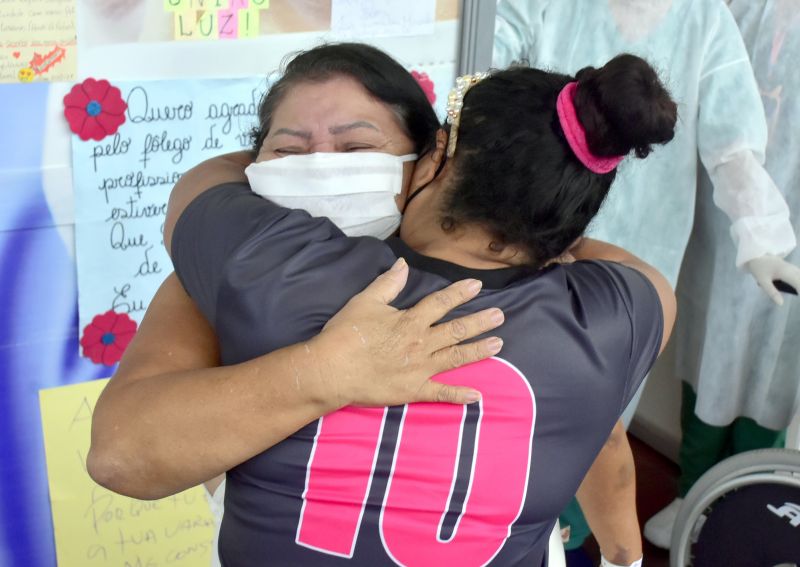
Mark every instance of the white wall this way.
pixel 657 419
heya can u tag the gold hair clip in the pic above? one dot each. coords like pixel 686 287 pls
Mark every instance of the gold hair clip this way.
pixel 455 102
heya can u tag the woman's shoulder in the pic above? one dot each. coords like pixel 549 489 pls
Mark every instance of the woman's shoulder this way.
pixel 604 281
pixel 233 206
pixel 617 299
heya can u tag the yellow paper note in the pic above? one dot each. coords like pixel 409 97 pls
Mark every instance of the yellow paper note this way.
pixel 96 527
pixel 207 25
pixel 37 40
pixel 197 24
pixel 177 5
pixel 215 19
pixel 185 25
pixel 210 4
pixel 249 23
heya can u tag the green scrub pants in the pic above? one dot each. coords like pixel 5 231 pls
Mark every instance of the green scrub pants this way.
pixel 703 445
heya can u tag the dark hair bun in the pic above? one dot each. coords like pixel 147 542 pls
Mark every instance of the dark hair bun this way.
pixel 624 106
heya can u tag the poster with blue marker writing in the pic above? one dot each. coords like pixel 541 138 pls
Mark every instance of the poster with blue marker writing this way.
pixel 131 144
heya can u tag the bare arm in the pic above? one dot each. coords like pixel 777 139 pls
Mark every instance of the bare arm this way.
pixel 590 249
pixel 607 494
pixel 607 497
pixel 168 420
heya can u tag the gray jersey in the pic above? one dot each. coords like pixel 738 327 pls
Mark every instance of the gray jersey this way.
pixel 422 484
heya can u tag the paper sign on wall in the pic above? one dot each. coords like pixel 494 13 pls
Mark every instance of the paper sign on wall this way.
pixel 367 18
pixel 216 19
pixel 122 183
pixel 96 527
pixel 37 40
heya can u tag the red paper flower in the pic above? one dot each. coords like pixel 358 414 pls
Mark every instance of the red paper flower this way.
pixel 107 336
pixel 94 109
pixel 427 85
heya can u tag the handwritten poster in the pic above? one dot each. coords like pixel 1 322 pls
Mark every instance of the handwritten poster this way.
pixel 367 18
pixel 96 527
pixel 37 40
pixel 122 183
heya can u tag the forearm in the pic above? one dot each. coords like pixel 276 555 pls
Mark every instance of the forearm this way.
pixel 759 215
pixel 170 418
pixel 607 497
pixel 159 435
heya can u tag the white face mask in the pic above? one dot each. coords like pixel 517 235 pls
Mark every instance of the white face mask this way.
pixel 354 190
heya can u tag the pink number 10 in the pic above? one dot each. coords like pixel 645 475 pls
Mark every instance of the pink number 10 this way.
pixel 423 473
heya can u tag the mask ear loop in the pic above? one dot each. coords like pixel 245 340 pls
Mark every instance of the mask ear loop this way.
pixel 414 194
pixel 423 187
pixel 439 169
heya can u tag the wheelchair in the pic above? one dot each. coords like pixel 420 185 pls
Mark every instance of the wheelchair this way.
pixel 744 512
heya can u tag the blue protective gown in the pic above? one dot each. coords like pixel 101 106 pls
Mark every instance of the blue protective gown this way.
pixel 696 46
pixel 735 347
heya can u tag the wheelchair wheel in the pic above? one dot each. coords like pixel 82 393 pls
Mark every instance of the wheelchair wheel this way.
pixel 744 512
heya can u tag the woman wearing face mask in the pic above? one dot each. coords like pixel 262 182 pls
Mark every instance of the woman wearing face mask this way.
pixel 523 182
pixel 174 357
pixel 343 179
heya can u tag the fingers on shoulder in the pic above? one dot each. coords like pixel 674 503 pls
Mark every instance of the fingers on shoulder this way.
pixel 438 304
pixel 387 286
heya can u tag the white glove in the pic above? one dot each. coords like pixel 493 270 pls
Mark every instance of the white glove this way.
pixel 606 563
pixel 768 268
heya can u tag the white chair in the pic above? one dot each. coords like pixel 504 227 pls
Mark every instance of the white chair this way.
pixel 556 556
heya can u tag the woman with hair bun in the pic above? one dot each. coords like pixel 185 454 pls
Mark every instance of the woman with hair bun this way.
pixel 698 47
pixel 504 198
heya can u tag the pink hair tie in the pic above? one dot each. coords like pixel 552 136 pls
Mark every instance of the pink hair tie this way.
pixel 576 135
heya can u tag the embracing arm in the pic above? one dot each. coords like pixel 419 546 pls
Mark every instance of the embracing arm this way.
pixel 168 420
pixel 175 337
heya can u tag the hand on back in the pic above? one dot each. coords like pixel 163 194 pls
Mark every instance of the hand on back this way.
pixel 377 355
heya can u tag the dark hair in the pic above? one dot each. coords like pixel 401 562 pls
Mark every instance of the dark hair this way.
pixel 514 172
pixel 383 77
